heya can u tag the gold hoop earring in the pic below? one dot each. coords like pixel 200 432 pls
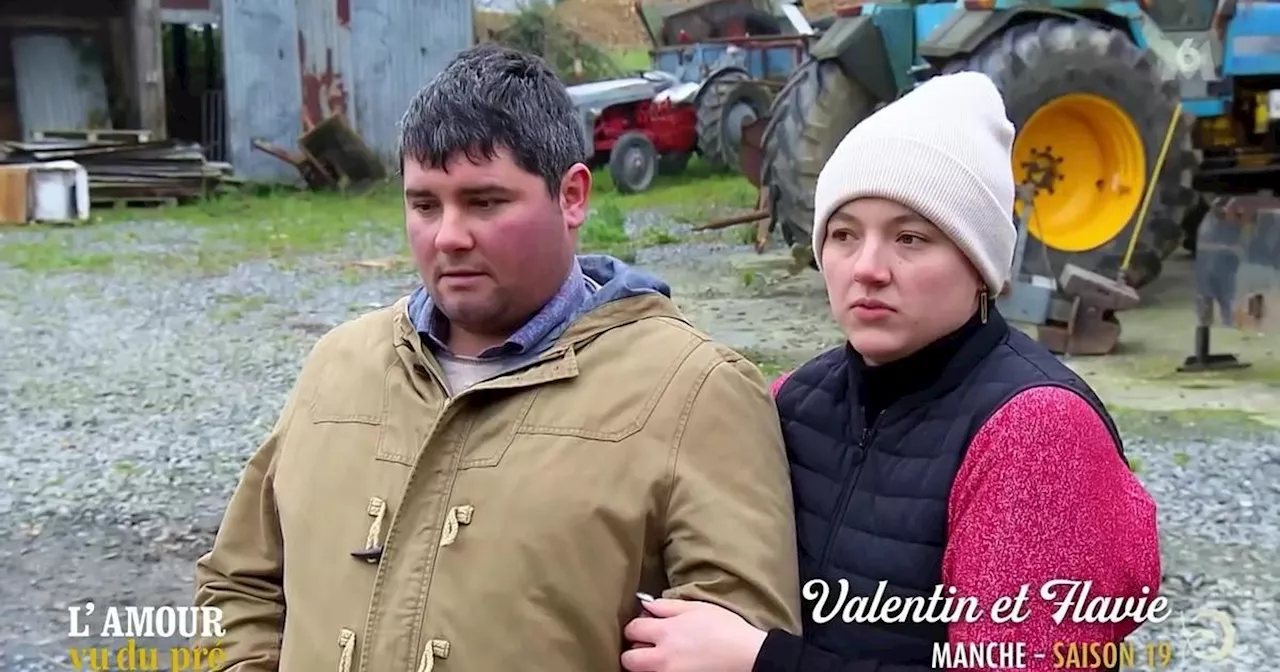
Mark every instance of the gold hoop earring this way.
pixel 982 305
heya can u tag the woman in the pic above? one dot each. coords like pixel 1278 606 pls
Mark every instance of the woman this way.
pixel 938 445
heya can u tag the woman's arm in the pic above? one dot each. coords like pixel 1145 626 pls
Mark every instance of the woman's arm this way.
pixel 1043 495
pixel 777 384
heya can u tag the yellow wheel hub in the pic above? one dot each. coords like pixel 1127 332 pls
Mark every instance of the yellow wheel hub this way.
pixel 1085 156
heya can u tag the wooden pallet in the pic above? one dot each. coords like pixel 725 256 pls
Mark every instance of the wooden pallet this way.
pixel 134 202
pixel 95 135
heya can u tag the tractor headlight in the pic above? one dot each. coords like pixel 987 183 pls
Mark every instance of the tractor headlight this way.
pixel 1273 105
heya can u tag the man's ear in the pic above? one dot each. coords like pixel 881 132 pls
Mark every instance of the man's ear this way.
pixel 575 192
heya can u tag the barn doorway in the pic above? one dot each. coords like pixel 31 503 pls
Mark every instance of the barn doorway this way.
pixel 195 86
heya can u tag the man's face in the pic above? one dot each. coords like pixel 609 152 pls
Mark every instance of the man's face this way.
pixel 492 245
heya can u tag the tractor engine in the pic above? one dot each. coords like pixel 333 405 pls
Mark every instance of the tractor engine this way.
pixel 1252 124
pixel 671 127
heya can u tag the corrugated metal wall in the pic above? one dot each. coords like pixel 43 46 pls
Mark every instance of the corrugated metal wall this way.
pixel 324 51
pixel 364 58
pixel 398 46
pixel 58 88
pixel 260 55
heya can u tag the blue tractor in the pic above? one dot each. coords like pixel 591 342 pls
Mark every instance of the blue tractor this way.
pixel 731 56
pixel 1110 99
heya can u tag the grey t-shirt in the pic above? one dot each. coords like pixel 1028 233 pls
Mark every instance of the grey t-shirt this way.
pixel 460 373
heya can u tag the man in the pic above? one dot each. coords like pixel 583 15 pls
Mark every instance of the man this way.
pixel 483 475
pixel 1218 263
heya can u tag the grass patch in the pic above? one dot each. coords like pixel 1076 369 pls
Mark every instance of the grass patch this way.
pixel 286 224
pixel 606 231
pixel 233 308
pixel 1188 424
pixel 632 60
pixel 695 195
pixel 1262 369
pixel 53 255
pixel 772 364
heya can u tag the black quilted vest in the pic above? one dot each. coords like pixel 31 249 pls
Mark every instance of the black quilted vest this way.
pixel 871 501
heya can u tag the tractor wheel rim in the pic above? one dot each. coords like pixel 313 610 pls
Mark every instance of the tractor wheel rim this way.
pixel 637 166
pixel 1086 159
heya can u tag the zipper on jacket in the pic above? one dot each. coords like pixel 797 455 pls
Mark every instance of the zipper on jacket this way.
pixel 846 493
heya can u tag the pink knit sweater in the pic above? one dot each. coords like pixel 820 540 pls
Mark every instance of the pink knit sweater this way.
pixel 1043 495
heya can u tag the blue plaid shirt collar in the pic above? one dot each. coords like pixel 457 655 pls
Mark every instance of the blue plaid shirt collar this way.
pixel 563 306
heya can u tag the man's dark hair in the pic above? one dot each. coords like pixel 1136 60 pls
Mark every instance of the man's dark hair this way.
pixel 491 98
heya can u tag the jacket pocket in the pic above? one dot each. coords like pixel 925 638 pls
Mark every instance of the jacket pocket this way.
pixel 341 402
pixel 493 429
pixel 604 405
pixel 387 419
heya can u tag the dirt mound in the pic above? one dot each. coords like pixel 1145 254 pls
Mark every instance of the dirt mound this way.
pixel 613 24
pixel 489 23
pixel 609 23
pixel 596 21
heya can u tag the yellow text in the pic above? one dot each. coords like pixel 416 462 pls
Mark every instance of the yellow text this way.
pixel 130 656
pixel 1112 655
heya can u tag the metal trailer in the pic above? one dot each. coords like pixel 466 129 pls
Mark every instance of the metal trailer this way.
pixel 696 98
pixel 738 54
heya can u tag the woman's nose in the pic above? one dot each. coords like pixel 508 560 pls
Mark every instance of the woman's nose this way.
pixel 869 266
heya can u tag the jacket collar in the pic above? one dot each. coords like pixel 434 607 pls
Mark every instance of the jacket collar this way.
pixel 572 295
pixel 934 371
pixel 557 361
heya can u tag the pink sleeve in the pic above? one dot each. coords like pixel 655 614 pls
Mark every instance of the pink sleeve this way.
pixel 777 384
pixel 1043 495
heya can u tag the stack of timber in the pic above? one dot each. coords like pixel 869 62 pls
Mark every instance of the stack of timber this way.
pixel 127 168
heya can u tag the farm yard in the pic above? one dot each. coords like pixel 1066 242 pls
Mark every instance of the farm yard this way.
pixel 146 354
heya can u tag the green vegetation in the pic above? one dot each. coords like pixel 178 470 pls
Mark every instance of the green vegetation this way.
pixel 632 60
pixel 1183 425
pixel 1263 367
pixel 52 255
pixel 284 225
pixel 536 29
pixel 773 364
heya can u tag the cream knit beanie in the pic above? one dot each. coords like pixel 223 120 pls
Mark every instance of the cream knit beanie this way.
pixel 942 150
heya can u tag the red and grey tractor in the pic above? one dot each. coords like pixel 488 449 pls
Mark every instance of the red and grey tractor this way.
pixel 711 76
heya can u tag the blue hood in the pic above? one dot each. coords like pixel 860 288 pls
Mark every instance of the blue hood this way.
pixel 616 281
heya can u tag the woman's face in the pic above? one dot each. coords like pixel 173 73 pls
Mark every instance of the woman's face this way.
pixel 895 281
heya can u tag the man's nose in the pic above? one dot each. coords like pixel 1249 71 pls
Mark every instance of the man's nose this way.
pixel 454 232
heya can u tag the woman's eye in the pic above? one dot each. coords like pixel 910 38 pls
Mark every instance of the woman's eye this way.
pixel 910 239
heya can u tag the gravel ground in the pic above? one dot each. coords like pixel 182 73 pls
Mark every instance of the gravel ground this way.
pixel 132 398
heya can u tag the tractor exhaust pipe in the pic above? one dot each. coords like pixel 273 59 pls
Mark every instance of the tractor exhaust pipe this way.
pixel 751 151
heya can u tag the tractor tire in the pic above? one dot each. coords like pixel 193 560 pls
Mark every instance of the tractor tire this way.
pixel 633 163
pixel 673 164
pixel 728 99
pixel 811 115
pixel 1103 87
